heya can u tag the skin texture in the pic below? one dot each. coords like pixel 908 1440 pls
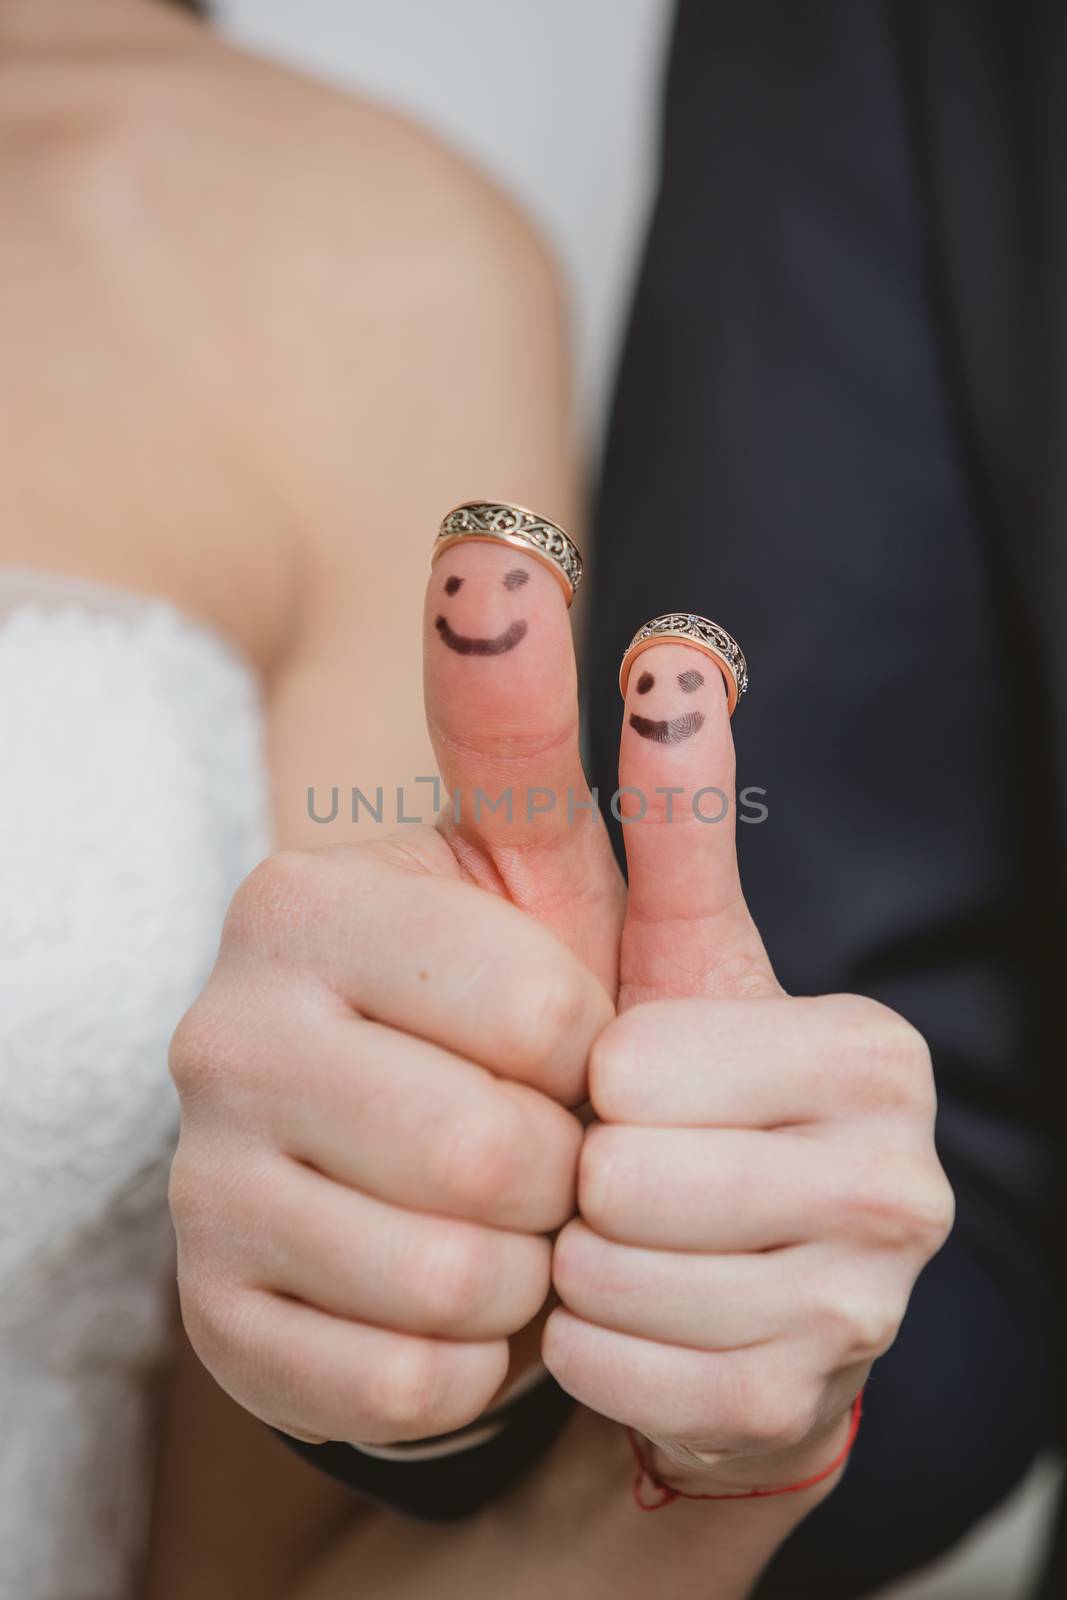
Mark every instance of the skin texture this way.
pixel 295 279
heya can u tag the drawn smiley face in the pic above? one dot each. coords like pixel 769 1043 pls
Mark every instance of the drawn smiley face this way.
pixel 671 730
pixel 466 644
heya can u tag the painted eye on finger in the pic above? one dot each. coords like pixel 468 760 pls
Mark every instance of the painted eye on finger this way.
pixel 499 644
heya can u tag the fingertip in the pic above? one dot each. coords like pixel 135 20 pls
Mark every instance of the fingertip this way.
pixel 676 749
pixel 499 669
pixel 556 1342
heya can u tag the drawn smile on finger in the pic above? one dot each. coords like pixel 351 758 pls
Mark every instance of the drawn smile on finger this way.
pixel 498 644
pixel 669 730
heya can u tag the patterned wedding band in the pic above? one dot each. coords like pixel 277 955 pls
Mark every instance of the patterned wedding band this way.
pixel 499 523
pixel 705 635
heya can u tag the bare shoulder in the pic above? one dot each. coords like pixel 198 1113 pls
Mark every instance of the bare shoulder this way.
pixel 301 281
pixel 172 123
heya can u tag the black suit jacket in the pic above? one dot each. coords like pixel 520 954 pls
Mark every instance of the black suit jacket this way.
pixel 839 430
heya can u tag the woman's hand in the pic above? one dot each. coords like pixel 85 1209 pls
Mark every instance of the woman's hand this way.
pixel 761 1189
pixel 375 1142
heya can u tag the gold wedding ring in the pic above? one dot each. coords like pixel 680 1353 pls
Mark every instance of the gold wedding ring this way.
pixel 706 635
pixel 496 522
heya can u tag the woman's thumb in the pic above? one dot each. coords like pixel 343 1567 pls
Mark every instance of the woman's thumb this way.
pixel 501 700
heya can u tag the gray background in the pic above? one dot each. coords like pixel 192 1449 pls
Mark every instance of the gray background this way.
pixel 557 100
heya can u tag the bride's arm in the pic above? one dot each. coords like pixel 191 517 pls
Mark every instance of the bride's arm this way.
pixel 236 1514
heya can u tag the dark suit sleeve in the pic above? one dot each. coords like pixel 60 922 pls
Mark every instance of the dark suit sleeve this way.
pixel 796 451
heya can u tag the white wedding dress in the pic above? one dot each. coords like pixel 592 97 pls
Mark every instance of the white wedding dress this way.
pixel 132 802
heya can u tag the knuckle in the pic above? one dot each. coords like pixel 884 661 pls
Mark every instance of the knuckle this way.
pixel 212 1319
pixel 269 893
pixel 902 1205
pixel 191 1047
pixel 544 1014
pixel 860 1326
pixel 597 1166
pixel 780 1419
pixel 883 1061
pixel 420 849
pixel 185 1196
pixel 571 1258
pixel 408 1389
pixel 933 1210
pixel 743 971
pixel 765 1416
pixel 876 1209
pixel 205 1054
pixel 223 1209
pixel 452 1278
pixel 284 892
pixel 481 1172
pixel 612 1065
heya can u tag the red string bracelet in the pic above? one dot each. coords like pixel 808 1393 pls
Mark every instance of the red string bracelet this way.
pixel 666 1495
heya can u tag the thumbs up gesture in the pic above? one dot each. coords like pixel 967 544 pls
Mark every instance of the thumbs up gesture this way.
pixel 760 1189
pixel 379 1085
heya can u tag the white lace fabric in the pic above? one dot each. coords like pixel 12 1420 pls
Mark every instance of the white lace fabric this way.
pixel 132 802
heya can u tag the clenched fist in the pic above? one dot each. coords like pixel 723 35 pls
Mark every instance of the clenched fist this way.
pixel 761 1189
pixel 376 1142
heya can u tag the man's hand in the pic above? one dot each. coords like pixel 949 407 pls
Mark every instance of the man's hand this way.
pixel 375 1142
pixel 761 1189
